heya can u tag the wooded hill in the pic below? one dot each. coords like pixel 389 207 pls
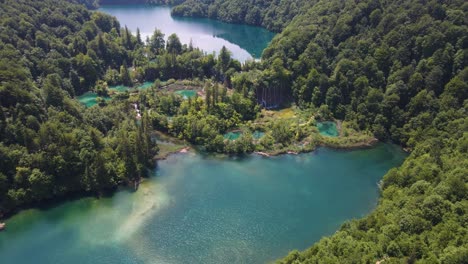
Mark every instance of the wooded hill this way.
pixel 395 68
pixel 273 15
pixel 50 145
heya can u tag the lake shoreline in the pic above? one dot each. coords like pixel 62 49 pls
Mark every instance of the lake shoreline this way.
pixel 235 37
pixel 183 149
pixel 175 15
pixel 59 200
pixel 177 197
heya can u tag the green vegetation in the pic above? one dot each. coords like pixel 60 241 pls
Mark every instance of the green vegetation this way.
pixel 200 121
pixel 50 145
pixel 209 120
pixel 395 70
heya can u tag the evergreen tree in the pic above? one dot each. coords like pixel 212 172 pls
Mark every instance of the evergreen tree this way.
pixel 156 42
pixel 174 45
pixel 125 75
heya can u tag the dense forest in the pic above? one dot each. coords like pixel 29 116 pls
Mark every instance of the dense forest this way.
pixel 398 69
pixel 273 15
pixel 50 145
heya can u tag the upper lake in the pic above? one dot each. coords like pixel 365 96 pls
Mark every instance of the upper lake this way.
pixel 202 209
pixel 245 42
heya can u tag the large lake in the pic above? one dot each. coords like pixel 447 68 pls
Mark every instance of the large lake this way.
pixel 198 209
pixel 245 42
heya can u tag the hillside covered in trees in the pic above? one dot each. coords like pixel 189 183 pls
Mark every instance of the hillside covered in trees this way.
pixel 398 69
pixel 273 15
pixel 50 145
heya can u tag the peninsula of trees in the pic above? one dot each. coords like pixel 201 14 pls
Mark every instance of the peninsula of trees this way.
pixel 394 70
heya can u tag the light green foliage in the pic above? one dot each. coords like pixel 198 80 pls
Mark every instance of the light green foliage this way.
pixel 203 122
pixel 393 69
pixel 156 42
pixel 273 15
pixel 173 44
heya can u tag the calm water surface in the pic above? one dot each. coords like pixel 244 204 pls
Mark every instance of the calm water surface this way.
pixel 328 128
pixel 197 209
pixel 245 42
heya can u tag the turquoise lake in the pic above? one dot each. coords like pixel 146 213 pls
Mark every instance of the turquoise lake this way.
pixel 186 94
pixel 202 209
pixel 123 88
pixel 245 42
pixel 89 99
pixel 232 135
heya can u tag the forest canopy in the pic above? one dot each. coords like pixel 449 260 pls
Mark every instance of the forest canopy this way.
pixel 50 145
pixel 398 69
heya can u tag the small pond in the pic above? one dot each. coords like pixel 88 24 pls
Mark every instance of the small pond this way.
pixel 233 135
pixel 89 99
pixel 123 88
pixel 258 134
pixel 186 94
pixel 328 129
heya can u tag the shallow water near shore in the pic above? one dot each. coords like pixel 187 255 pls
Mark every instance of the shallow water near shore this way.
pixel 186 94
pixel 197 209
pixel 89 99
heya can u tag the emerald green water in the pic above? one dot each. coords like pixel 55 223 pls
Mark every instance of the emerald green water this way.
pixel 232 135
pixel 245 42
pixel 120 88
pixel 198 209
pixel 328 128
pixel 186 94
pixel 89 99
pixel 123 88
pixel 258 134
